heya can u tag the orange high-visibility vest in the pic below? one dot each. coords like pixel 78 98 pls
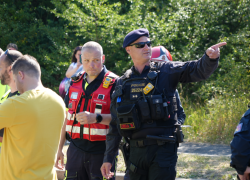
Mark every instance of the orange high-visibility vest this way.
pixel 98 102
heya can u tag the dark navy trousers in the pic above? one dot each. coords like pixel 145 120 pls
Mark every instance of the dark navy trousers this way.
pixel 84 166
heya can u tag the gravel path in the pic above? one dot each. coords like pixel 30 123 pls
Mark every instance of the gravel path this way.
pixel 204 149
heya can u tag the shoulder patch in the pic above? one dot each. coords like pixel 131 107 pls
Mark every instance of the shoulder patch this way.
pixel 127 74
pixel 246 113
pixel 238 128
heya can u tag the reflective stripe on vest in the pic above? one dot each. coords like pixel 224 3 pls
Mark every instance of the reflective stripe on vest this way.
pixel 99 103
pixel 93 131
pixel 5 96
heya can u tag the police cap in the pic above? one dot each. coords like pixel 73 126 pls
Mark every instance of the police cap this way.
pixel 134 35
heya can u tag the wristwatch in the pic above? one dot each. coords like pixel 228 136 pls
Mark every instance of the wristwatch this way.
pixel 98 118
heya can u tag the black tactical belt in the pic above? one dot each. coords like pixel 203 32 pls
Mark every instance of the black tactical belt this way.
pixel 147 142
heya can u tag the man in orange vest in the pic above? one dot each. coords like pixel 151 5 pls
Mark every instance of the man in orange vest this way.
pixel 88 117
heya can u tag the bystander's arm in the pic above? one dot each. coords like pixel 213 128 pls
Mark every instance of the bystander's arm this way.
pixel 106 119
pixel 72 70
pixel 86 117
pixel 60 155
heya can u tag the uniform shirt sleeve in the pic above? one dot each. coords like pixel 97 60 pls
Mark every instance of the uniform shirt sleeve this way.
pixel 180 113
pixel 113 137
pixel 7 113
pixel 240 147
pixel 190 71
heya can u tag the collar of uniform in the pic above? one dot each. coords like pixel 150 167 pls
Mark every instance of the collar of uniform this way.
pixel 13 94
pixel 146 69
pixel 100 76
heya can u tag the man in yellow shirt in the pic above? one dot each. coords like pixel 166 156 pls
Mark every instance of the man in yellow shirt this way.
pixel 32 123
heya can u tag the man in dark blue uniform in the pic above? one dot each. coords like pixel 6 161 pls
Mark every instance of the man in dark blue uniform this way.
pixel 144 109
pixel 240 148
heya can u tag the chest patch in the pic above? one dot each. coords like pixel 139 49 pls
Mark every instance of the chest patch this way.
pixel 100 96
pixel 238 128
pixel 136 88
pixel 134 96
pixel 74 95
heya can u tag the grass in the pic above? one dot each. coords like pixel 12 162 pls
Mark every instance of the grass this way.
pixel 194 166
pixel 198 167
pixel 205 167
pixel 214 122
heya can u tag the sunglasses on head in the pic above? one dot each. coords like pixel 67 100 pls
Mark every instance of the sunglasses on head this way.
pixel 141 44
pixel 9 56
pixel 78 48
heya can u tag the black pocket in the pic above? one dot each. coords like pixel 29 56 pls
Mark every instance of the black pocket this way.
pixel 128 117
pixel 156 107
pixel 144 110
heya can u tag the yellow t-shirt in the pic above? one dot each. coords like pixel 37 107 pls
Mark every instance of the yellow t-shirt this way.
pixel 33 123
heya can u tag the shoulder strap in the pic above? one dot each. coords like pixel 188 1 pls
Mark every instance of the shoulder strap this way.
pixel 111 75
pixel 78 77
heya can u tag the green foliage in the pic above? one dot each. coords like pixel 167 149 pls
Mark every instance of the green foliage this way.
pixel 50 30
pixel 39 33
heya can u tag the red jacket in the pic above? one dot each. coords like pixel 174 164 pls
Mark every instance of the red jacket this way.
pixel 98 102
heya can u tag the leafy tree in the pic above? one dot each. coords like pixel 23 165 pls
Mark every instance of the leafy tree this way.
pixel 36 32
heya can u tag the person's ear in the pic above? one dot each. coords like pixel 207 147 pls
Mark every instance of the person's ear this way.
pixel 128 49
pixel 103 58
pixel 21 75
pixel 9 69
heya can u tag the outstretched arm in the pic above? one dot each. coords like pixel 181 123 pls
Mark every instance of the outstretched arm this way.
pixel 194 71
pixel 214 51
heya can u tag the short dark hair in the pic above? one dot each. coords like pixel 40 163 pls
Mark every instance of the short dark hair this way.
pixel 78 48
pixel 12 45
pixel 14 56
pixel 1 51
pixel 27 64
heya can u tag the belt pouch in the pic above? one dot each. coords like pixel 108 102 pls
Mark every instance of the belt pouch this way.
pixel 156 107
pixel 144 110
pixel 128 117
